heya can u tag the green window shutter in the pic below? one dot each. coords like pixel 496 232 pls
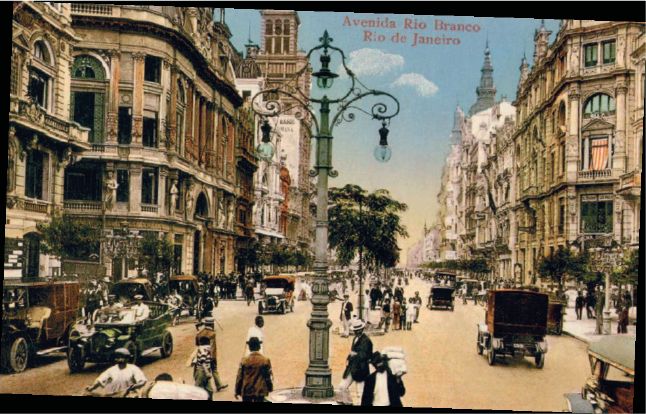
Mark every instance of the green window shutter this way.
pixel 99 117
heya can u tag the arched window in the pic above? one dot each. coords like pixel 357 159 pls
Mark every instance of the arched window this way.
pixel 561 116
pixel 87 67
pixel 286 29
pixel 201 207
pixel 600 105
pixel 88 108
pixel 269 29
pixel 41 52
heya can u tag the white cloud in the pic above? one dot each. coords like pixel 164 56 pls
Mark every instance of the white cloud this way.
pixel 423 86
pixel 367 62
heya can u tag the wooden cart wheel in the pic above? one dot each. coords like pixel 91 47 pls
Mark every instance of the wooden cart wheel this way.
pixel 20 355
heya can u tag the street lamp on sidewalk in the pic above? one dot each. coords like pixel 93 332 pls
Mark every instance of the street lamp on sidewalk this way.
pixel 318 377
pixel 605 259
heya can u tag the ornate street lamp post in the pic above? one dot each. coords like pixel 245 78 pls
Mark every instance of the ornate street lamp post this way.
pixel 318 377
pixel 605 259
pixel 121 243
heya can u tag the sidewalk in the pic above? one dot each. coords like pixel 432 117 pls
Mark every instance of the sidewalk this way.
pixel 584 330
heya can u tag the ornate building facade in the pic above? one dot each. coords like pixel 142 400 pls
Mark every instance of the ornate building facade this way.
pixel 43 141
pixel 283 211
pixel 565 162
pixel 575 140
pixel 168 145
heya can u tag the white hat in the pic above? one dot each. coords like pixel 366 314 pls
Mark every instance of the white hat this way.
pixel 357 324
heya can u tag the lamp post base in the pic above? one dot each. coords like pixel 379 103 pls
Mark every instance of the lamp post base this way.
pixel 295 396
pixel 607 323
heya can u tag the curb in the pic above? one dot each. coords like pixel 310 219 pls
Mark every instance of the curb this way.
pixel 579 337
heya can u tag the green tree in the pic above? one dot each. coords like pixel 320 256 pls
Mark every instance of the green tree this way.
pixel 564 263
pixel 155 255
pixel 69 239
pixel 371 221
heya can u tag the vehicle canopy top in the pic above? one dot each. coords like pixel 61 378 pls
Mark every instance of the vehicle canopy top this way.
pixel 280 282
pixel 132 287
pixel 183 278
pixel 618 351
pixel 441 288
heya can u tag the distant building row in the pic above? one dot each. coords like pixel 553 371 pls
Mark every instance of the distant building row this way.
pixel 562 163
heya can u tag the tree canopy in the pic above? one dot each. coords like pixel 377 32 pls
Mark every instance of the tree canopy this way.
pixel 358 219
pixel 69 239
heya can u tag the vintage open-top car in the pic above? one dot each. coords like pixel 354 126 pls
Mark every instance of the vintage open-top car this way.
pixel 278 296
pixel 126 290
pixel 140 326
pixel 611 388
pixel 443 297
pixel 188 288
pixel 36 320
pixel 515 324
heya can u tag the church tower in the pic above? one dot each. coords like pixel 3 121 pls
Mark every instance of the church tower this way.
pixel 486 91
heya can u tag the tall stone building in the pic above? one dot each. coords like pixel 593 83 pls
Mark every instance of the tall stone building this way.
pixel 577 152
pixel 168 142
pixel 279 61
pixel 565 162
pixel 43 141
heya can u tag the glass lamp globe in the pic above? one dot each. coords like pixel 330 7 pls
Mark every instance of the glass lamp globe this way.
pixel 383 153
pixel 265 151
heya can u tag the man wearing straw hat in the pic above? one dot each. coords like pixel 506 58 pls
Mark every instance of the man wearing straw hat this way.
pixel 358 362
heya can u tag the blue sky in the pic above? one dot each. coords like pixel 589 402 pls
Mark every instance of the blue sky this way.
pixel 427 79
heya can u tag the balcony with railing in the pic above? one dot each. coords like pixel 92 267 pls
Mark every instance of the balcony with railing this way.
pixel 30 115
pixel 83 206
pixel 36 207
pixel 595 174
pixel 631 180
pixel 150 208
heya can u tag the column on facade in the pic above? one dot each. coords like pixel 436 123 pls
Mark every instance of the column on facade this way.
pixel 113 98
pixel 161 191
pixel 172 111
pixel 135 188
pixel 138 98
pixel 202 142
pixel 209 137
pixel 191 96
pixel 620 132
pixel 573 138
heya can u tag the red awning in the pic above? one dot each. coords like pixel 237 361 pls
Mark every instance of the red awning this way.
pixel 599 154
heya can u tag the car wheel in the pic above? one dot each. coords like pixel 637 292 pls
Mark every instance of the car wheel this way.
pixel 19 357
pixel 260 309
pixel 76 359
pixel 134 352
pixel 167 345
pixel 491 355
pixel 540 360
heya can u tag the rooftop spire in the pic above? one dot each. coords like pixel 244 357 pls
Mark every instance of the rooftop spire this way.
pixel 486 91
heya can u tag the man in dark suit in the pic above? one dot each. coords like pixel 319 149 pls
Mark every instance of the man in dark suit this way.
pixel 382 388
pixel 358 363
